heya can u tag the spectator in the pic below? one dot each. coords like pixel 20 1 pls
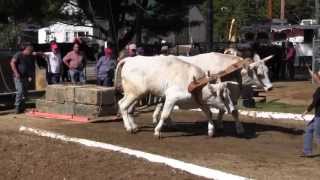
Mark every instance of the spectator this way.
pixel 105 69
pixel 140 51
pixel 290 57
pixel 23 67
pixel 132 50
pixel 283 60
pixel 54 64
pixel 165 50
pixel 76 61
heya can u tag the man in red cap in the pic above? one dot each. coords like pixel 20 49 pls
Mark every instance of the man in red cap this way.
pixel 54 64
pixel 105 68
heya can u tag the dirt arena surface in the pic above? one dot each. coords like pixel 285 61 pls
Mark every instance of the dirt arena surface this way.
pixel 295 93
pixel 268 150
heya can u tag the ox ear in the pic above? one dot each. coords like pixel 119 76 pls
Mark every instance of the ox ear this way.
pixel 253 65
pixel 267 58
pixel 256 57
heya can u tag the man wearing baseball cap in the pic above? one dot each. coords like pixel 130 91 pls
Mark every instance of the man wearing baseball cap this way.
pixel 105 68
pixel 54 64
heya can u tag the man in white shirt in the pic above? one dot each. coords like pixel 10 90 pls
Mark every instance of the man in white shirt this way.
pixel 54 64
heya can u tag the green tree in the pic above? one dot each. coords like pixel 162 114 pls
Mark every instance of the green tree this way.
pixel 124 18
pixel 121 20
pixel 248 12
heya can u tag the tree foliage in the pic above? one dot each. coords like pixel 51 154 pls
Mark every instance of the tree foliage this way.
pixel 247 12
pixel 119 19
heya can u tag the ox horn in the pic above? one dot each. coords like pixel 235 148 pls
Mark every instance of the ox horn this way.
pixel 194 79
pixel 267 58
pixel 219 79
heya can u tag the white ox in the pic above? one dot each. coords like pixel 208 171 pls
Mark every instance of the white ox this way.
pixel 170 78
pixel 253 72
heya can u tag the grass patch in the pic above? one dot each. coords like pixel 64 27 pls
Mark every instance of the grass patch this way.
pixel 277 107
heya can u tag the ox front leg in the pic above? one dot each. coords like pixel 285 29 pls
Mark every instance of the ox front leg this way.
pixel 124 105
pixel 211 128
pixel 156 113
pixel 167 109
pixel 239 126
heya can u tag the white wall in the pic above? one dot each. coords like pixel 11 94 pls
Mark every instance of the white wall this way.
pixel 58 32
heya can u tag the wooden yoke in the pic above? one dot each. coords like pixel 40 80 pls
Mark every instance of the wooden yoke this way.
pixel 197 85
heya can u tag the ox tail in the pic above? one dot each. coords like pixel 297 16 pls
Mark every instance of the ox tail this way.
pixel 117 81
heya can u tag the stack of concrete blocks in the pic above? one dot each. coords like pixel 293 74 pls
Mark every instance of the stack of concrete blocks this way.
pixel 85 100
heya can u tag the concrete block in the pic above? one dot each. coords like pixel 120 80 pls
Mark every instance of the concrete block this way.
pixel 94 111
pixel 95 95
pixel 55 93
pixel 61 93
pixel 54 107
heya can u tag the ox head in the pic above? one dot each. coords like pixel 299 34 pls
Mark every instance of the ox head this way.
pixel 215 94
pixel 232 51
pixel 220 97
pixel 256 73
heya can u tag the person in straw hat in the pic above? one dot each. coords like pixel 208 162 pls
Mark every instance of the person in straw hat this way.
pixel 313 126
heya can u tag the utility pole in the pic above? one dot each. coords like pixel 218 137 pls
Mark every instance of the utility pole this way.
pixel 270 9
pixel 139 17
pixel 210 25
pixel 317 11
pixel 283 8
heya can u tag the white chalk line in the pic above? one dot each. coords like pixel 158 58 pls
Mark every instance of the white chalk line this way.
pixel 268 115
pixel 184 166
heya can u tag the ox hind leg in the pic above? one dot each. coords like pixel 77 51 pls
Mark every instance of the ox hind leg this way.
pixel 211 128
pixel 156 115
pixel 167 109
pixel 124 104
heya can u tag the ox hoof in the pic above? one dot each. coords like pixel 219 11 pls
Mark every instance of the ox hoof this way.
pixel 134 130
pixel 157 135
pixel 211 133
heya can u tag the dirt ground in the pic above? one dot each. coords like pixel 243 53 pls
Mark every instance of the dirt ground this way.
pixel 269 149
pixel 295 93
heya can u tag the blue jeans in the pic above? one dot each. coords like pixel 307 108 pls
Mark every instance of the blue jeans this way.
pixel 21 85
pixel 53 78
pixel 312 128
pixel 77 76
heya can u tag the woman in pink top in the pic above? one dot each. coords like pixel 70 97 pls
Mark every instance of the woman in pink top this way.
pixel 75 60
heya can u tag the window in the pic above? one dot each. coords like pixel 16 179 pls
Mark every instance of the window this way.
pixel 47 36
pixel 67 37
pixel 81 34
